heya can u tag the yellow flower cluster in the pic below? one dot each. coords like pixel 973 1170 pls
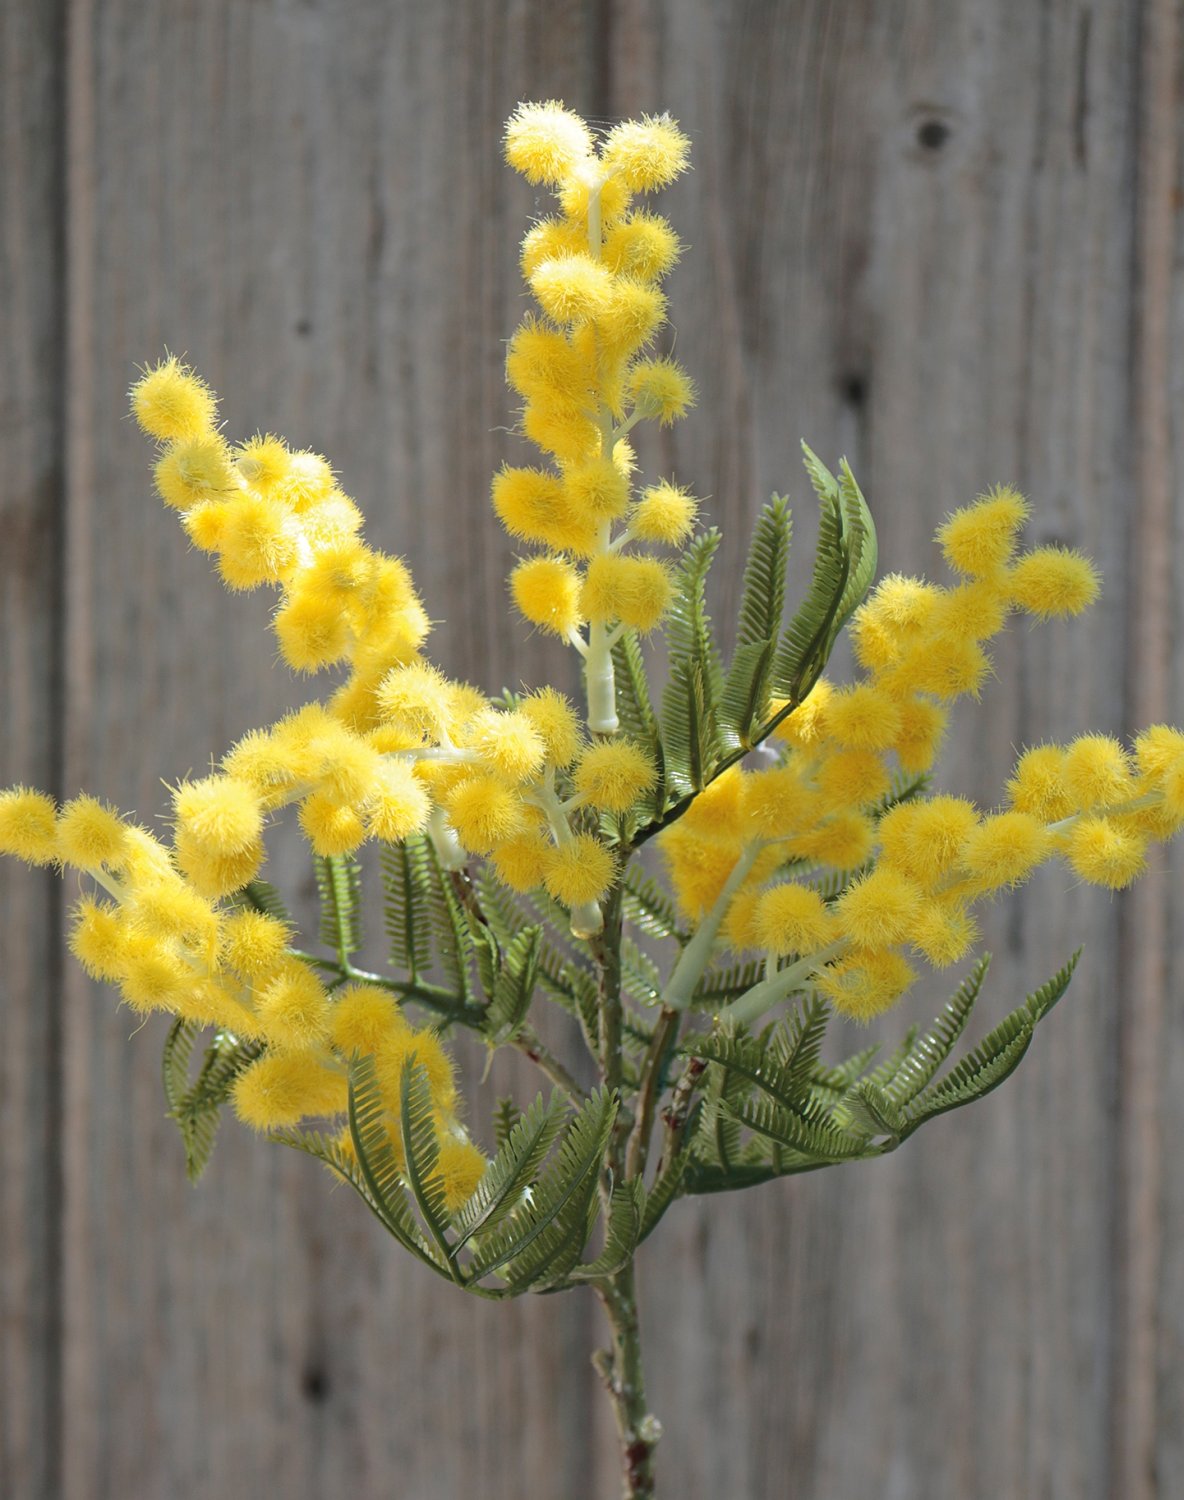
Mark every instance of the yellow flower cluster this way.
pixel 915 872
pixel 586 378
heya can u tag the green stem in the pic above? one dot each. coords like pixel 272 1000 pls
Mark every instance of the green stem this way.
pixel 652 1070
pixel 694 958
pixel 620 1368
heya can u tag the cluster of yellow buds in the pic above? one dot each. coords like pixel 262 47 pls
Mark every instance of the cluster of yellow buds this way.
pixel 586 379
pixel 912 872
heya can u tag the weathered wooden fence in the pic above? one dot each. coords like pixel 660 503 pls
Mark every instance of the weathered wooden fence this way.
pixel 939 235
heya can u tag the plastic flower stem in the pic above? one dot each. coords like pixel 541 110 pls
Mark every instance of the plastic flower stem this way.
pixel 695 956
pixel 762 997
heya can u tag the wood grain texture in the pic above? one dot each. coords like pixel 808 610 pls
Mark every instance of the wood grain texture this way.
pixel 31 442
pixel 940 236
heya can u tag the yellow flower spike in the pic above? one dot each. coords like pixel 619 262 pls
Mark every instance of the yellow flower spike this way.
pixel 253 944
pixel 580 871
pixel 90 834
pixel 979 539
pixel 484 811
pixel 774 803
pixel 919 738
pixel 547 592
pixel 862 718
pixel 661 390
pixel 573 289
pixel 170 402
pixel 329 826
pixel 28 826
pixel 541 361
pixel 459 1168
pixel 555 721
pixel 521 862
pixel 205 524
pixel 1005 848
pixel 1097 771
pixel 509 743
pixel 98 938
pixel 257 543
pixel 876 909
pixel 642 245
pixel 264 462
pixel 1038 785
pixel 398 806
pixel 1105 854
pixel 284 1088
pixel 630 315
pixel 664 514
pixel 546 142
pixel 308 481
pixel 535 506
pixel 363 1018
pixel 844 841
pixel 866 983
pixel 293 1008
pixel 219 813
pixel 312 631
pixel 416 699
pixel 597 489
pixel 852 778
pixel 648 153
pixel 551 239
pixel 793 919
pixel 613 774
pixel 1053 583
pixel 193 470
pixel 943 932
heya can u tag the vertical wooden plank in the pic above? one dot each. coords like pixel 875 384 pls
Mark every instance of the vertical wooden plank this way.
pixel 912 232
pixel 30 594
pixel 308 200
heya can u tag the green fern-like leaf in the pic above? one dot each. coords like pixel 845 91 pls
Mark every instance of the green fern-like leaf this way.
pixel 338 881
pixel 196 1108
pixel 408 881
pixel 510 1174
pixel 258 895
pixel 648 906
pixel 744 701
pixel 514 987
pixel 929 1051
pixel 626 1209
pixel 417 1126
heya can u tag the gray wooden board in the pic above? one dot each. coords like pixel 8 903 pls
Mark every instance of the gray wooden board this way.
pixel 938 237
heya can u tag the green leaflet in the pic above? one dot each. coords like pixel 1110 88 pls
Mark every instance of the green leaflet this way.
pixel 338 881
pixel 408 881
pixel 258 895
pixel 514 987
pixel 663 1191
pixel 417 1125
pixel 648 906
pixel 689 728
pixel 506 1179
pixel 196 1107
pixel 744 703
pixel 625 1214
pixel 926 1055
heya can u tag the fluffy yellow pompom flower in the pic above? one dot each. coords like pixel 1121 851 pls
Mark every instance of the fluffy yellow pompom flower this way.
pixel 398 805
pixel 28 826
pixel 632 315
pixel 172 909
pixel 613 774
pixel 776 802
pixel 309 480
pixel 1005 848
pixel 331 827
pixel 1038 784
pixel 643 245
pixel 572 289
pixel 648 153
pixel 151 976
pixel 214 875
pixel 550 239
pixel 89 834
pixel 580 870
pixel 312 631
pixel 404 1047
pixel 1104 854
pixel 943 932
pixel 1054 582
pixel 792 919
pixel 294 1008
pixel 484 810
pixel 264 462
pixel 536 507
pixel 635 590
pixel 253 944
pixel 283 1088
pixel 918 740
pixel 459 1168
pixel 556 723
pixel 522 862
pixel 979 539
pixel 547 591
pixel 935 834
pixel 665 514
pixel 98 938
pixel 661 390
pixel 417 699
pixel 363 1018
pixel 597 489
pixel 509 743
pixel 866 983
pixel 808 723
pixel 948 666
pixel 877 908
pixel 863 718
pixel 843 841
pixel 852 778
pixel 170 402
pixel 542 360
pixel 1097 771
pixel 219 813
pixel 546 142
pixel 193 470
pixel 257 544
